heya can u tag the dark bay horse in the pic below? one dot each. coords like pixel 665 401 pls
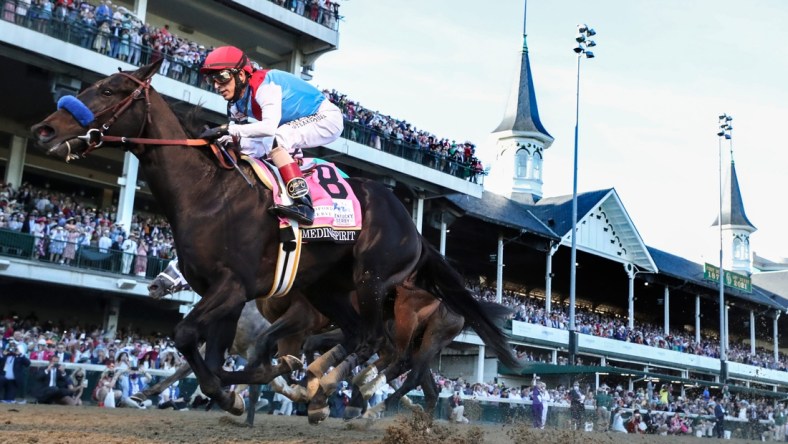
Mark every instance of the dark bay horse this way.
pixel 228 241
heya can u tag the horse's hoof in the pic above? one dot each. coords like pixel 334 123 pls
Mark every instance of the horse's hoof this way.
pixel 238 408
pixel 328 387
pixel 292 362
pixel 374 411
pixel 317 416
pixel 352 413
pixel 138 398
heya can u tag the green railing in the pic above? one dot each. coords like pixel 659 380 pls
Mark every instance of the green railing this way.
pixel 26 246
pixel 366 136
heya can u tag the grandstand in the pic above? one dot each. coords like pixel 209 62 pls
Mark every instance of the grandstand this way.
pixel 622 282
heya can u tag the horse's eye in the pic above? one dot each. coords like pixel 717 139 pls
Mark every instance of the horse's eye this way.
pixel 106 93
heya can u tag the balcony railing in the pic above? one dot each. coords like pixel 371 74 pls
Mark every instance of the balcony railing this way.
pixel 77 33
pixel 26 246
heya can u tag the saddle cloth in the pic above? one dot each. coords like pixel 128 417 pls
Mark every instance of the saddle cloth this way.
pixel 337 210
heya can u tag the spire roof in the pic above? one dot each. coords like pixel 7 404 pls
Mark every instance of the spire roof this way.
pixel 732 204
pixel 522 113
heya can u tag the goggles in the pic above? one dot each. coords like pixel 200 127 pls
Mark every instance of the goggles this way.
pixel 221 77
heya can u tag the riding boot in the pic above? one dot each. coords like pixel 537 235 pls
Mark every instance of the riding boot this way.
pixel 297 190
pixel 301 210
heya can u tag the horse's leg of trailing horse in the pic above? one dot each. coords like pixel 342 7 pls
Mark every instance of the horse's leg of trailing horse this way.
pixel 182 372
pixel 319 366
pixel 318 410
pixel 295 393
pixel 322 342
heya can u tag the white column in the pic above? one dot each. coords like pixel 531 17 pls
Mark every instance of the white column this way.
pixel 697 319
pixel 726 330
pixel 140 9
pixel 499 272
pixel 554 357
pixel 666 302
pixel 128 188
pixel 480 366
pixel 443 236
pixel 631 316
pixel 111 315
pixel 16 161
pixel 752 333
pixel 776 340
pixel 548 283
pixel 418 213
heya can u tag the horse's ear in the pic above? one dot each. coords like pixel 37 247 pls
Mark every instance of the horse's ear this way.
pixel 147 71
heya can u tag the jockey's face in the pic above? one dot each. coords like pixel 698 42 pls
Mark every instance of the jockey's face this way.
pixel 227 89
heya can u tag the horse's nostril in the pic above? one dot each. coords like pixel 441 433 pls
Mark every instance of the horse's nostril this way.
pixel 43 132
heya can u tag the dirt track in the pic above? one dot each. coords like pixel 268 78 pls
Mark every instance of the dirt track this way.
pixel 93 425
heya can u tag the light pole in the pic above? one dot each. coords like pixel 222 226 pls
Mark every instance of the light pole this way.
pixel 584 32
pixel 726 129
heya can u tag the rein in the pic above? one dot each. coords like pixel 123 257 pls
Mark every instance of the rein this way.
pixel 95 137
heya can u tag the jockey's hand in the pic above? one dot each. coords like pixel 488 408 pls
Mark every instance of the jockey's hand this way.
pixel 214 133
pixel 226 141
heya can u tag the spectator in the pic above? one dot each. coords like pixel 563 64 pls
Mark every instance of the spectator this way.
pixel 54 384
pixel 617 423
pixel 13 363
pixel 171 398
pixel 457 409
pixel 576 399
pixel 105 393
pixel 137 382
pixel 77 383
pixel 129 248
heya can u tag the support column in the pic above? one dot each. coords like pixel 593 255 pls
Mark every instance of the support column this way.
pixel 16 161
pixel 499 272
pixel 128 189
pixel 554 357
pixel 631 314
pixel 727 339
pixel 141 9
pixel 480 366
pixel 666 304
pixel 548 282
pixel 752 333
pixel 776 338
pixel 418 213
pixel 443 235
pixel 111 315
pixel 697 319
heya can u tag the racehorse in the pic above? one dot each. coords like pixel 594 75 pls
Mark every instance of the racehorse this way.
pixel 228 241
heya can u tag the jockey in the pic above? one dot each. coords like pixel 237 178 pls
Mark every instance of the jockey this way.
pixel 272 108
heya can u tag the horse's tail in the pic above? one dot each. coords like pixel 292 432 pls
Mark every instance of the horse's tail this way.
pixel 445 283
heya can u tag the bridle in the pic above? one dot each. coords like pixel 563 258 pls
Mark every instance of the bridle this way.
pixel 95 137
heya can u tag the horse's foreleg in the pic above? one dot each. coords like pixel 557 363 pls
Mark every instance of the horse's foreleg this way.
pixel 254 396
pixel 213 318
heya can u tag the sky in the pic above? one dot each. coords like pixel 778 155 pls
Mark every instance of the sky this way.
pixel 649 101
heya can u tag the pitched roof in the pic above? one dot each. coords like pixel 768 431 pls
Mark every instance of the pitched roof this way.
pixel 500 210
pixel 680 268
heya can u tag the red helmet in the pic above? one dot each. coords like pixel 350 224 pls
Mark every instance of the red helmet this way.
pixel 226 57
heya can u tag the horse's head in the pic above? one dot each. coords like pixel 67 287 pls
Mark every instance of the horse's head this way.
pixel 117 105
pixel 167 282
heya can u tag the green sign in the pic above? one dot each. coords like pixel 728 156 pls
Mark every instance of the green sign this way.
pixel 731 279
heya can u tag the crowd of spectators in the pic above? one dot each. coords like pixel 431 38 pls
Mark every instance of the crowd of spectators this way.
pixel 114 31
pixel 66 227
pixel 608 325
pixel 401 138
pixel 662 409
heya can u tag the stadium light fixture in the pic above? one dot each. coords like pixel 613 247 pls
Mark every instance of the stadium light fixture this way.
pixel 584 32
pixel 724 133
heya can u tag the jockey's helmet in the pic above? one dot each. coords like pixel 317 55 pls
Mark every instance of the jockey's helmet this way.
pixel 226 57
pixel 225 63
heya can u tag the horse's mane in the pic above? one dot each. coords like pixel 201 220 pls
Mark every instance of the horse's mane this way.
pixel 192 120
